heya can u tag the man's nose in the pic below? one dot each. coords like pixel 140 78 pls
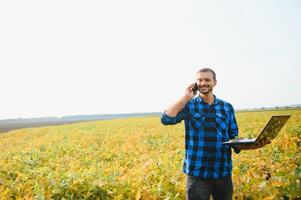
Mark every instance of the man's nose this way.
pixel 202 82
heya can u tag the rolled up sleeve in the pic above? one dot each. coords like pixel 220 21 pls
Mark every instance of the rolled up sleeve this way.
pixel 167 120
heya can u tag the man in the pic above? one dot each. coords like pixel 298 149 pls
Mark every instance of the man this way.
pixel 209 121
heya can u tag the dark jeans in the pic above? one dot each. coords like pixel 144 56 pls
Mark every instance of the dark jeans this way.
pixel 201 189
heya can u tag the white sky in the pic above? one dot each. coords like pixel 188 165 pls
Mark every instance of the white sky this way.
pixel 93 57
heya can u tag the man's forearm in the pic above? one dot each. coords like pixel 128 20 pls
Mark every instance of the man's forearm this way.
pixel 175 108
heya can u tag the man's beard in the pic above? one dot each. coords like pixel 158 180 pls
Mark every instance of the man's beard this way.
pixel 208 90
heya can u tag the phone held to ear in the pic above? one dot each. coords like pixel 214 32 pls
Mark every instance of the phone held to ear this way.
pixel 195 88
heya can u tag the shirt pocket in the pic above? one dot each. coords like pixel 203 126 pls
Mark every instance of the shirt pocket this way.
pixel 222 124
pixel 197 121
pixel 222 121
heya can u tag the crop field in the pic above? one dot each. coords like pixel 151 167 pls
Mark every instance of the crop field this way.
pixel 139 158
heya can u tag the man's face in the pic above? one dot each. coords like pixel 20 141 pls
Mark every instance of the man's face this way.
pixel 205 82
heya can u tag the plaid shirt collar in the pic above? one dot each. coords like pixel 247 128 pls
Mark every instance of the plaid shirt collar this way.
pixel 216 100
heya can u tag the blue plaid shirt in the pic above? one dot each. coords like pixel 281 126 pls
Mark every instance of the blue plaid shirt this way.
pixel 206 127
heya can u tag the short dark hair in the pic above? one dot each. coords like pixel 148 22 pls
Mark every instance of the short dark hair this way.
pixel 208 70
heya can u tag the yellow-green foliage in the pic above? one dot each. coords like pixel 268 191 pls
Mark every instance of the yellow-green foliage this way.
pixel 138 158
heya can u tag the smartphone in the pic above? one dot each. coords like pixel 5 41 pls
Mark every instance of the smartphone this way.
pixel 195 88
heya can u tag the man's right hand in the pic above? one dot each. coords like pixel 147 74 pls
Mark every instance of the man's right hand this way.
pixel 189 91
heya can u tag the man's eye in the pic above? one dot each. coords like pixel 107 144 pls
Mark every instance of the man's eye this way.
pixel 201 80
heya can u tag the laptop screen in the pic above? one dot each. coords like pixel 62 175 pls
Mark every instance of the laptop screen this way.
pixel 272 128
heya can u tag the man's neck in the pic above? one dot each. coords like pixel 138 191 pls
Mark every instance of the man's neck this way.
pixel 208 98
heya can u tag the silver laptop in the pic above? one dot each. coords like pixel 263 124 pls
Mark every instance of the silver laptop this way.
pixel 270 131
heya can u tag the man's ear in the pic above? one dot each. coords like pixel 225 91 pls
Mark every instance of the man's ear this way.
pixel 215 82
